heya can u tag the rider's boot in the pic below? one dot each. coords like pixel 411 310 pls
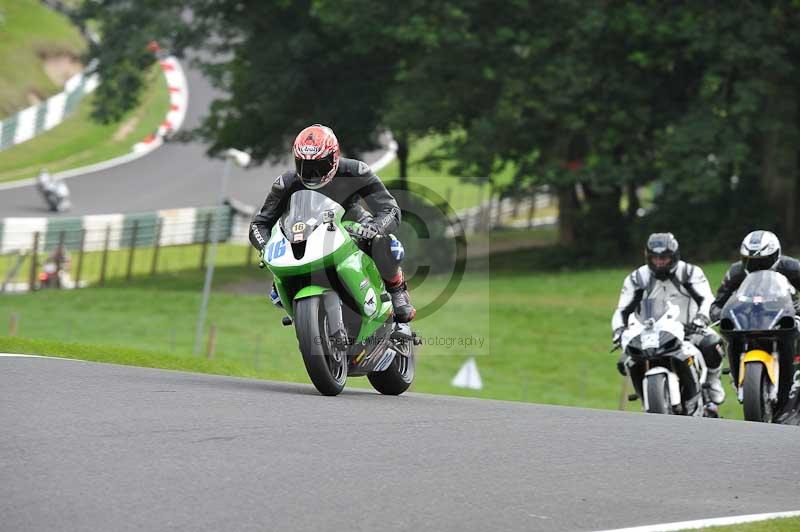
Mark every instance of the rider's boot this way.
pixel 791 412
pixel 715 390
pixel 404 311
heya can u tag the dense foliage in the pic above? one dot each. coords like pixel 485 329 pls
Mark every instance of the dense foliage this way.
pixel 692 106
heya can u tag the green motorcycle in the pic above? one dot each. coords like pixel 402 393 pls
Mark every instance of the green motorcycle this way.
pixel 333 293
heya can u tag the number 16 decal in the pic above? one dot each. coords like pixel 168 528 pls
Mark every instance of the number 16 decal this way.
pixel 276 250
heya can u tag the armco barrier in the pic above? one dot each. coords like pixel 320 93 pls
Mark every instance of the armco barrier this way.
pixel 165 228
pixel 106 246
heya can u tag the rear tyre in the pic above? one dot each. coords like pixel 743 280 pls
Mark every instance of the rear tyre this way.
pixel 326 365
pixel 399 375
pixel 756 403
pixel 658 394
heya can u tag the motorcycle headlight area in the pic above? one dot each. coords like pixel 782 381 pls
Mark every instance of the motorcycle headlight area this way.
pixel 667 343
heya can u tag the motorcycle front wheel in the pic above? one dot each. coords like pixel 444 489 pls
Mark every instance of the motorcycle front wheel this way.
pixel 756 403
pixel 325 365
pixel 658 394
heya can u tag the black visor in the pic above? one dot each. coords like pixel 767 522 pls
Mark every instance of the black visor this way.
pixel 312 172
pixel 754 264
pixel 662 245
pixel 661 272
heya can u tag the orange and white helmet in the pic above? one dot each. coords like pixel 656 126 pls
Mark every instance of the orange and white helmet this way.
pixel 316 156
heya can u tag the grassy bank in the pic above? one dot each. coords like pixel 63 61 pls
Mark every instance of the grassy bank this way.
pixel 30 33
pixel 79 140
pixel 459 193
pixel 539 337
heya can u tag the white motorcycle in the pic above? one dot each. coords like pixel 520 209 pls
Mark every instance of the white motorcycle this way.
pixel 674 371
pixel 54 192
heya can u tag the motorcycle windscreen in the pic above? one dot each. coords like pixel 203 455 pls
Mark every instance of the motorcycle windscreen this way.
pixel 305 213
pixel 652 309
pixel 759 304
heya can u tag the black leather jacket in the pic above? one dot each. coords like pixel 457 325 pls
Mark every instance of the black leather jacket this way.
pixel 788 266
pixel 354 181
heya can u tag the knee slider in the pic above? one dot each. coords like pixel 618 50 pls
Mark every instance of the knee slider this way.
pixel 396 249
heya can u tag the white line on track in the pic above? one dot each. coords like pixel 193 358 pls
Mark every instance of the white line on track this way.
pixel 18 355
pixel 705 523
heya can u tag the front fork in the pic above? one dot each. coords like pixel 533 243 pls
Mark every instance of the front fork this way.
pixel 333 309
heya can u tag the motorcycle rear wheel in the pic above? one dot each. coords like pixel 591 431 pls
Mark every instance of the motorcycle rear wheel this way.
pixel 658 395
pixel 756 403
pixel 397 378
pixel 325 365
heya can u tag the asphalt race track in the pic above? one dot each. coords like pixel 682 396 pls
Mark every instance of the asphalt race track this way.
pixel 175 175
pixel 89 446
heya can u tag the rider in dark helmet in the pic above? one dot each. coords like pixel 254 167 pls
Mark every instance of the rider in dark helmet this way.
pixel 349 182
pixel 667 277
pixel 662 254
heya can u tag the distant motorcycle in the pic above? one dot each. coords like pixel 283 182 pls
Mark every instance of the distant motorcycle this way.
pixel 757 320
pixel 55 269
pixel 674 369
pixel 50 276
pixel 54 192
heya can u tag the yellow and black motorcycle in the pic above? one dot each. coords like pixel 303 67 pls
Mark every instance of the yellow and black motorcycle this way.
pixel 759 324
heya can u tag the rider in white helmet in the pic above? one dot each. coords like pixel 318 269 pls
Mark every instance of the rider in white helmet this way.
pixel 760 250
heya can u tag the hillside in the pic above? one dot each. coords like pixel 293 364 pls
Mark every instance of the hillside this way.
pixel 39 50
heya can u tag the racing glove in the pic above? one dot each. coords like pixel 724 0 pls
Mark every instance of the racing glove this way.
pixel 700 322
pixel 368 230
pixel 616 338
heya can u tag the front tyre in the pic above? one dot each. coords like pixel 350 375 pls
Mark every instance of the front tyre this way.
pixel 658 394
pixel 326 365
pixel 400 374
pixel 756 403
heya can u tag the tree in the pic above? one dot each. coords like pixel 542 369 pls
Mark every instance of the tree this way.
pixel 123 55
pixel 594 99
pixel 610 97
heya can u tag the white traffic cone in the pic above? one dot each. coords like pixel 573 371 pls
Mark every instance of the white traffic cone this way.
pixel 468 376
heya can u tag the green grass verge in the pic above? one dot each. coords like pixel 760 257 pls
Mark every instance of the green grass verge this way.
pixel 545 335
pixel 28 32
pixel 789 524
pixel 122 355
pixel 79 140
